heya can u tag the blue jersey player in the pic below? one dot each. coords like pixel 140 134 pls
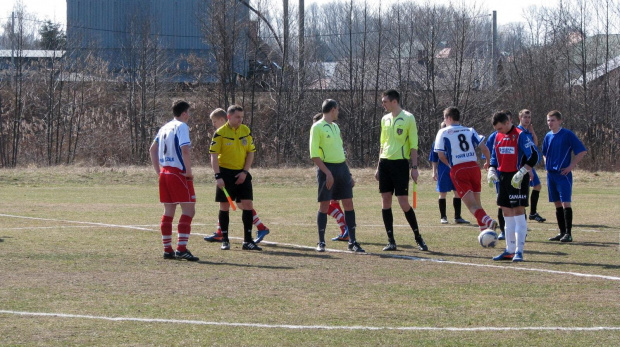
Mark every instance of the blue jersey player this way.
pixel 558 145
pixel 441 174
pixel 525 124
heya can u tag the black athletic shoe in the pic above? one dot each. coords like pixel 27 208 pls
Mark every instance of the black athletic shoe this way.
pixel 251 246
pixel 421 245
pixel 390 247
pixel 566 238
pixel 187 255
pixel 537 218
pixel 557 237
pixel 355 247
pixel 169 255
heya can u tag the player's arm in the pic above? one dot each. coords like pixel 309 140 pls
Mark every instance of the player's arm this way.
pixel 487 156
pixel 573 163
pixel 329 178
pixel 215 165
pixel 154 151
pixel 443 158
pixel 414 164
pixel 434 164
pixel 186 151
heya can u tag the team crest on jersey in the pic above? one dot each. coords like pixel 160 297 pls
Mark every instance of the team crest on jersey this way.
pixel 399 131
pixel 506 150
pixel 244 141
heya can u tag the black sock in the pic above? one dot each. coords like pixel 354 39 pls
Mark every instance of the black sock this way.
pixel 247 219
pixel 224 222
pixel 321 222
pixel 534 201
pixel 388 221
pixel 456 202
pixel 559 215
pixel 568 219
pixel 442 208
pixel 349 218
pixel 413 222
pixel 500 219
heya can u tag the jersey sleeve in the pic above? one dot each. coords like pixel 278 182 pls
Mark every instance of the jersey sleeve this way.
pixel 183 135
pixel 250 146
pixel 216 143
pixel 315 141
pixel 433 157
pixel 382 137
pixel 476 139
pixel 413 134
pixel 576 144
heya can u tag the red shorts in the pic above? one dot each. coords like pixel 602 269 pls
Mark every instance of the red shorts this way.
pixel 466 178
pixel 174 188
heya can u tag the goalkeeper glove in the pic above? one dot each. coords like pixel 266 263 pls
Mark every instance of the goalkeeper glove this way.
pixel 518 177
pixel 492 177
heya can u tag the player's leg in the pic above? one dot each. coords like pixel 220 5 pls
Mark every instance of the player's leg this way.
pixel 554 197
pixel 403 201
pixel 511 241
pixel 184 229
pixel 536 187
pixel 245 194
pixel 324 196
pixel 166 230
pixel 223 215
pixel 336 212
pixel 386 188
pixel 568 222
pixel 262 229
pixel 456 203
pixel 443 217
pixel 349 215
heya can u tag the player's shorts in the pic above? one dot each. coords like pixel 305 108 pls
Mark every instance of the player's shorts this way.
pixel 237 192
pixel 466 178
pixel 535 180
pixel 174 187
pixel 560 187
pixel 394 176
pixel 510 196
pixel 444 182
pixel 342 187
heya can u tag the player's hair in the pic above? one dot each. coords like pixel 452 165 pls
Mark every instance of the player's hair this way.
pixel 392 94
pixel 234 108
pixel 500 117
pixel 218 113
pixel 328 105
pixel 453 113
pixel 524 111
pixel 507 112
pixel 555 113
pixel 317 117
pixel 179 106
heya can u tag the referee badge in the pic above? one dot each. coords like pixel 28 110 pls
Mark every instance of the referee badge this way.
pixel 244 141
pixel 399 131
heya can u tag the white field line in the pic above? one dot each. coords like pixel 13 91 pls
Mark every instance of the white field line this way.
pixel 577 274
pixel 302 327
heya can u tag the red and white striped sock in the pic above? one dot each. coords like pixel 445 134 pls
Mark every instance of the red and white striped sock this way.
pixel 219 229
pixel 335 211
pixel 257 222
pixel 482 218
pixel 166 233
pixel 184 229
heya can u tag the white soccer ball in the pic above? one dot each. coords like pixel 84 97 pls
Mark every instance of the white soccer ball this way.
pixel 487 238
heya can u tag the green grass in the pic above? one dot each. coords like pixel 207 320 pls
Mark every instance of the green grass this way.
pixel 55 265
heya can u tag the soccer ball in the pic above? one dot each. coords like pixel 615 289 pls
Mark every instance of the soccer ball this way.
pixel 487 238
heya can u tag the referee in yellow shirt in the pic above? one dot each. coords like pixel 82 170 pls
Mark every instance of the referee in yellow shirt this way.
pixel 399 145
pixel 232 153
pixel 333 175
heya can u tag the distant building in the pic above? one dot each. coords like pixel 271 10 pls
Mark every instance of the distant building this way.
pixel 109 26
pixel 28 57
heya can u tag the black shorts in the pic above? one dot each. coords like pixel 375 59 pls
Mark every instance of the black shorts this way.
pixel 394 176
pixel 509 196
pixel 237 192
pixel 342 187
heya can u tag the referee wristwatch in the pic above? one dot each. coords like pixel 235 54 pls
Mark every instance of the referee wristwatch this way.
pixel 413 167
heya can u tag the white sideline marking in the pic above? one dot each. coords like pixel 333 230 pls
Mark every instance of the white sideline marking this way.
pixel 301 327
pixel 577 274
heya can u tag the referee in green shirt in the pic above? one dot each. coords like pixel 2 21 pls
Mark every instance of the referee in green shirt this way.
pixel 333 175
pixel 399 145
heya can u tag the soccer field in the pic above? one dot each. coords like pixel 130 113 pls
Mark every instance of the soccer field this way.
pixel 81 264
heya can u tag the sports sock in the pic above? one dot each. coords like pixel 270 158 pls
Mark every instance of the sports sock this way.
pixel 534 201
pixel 184 229
pixel 259 224
pixel 219 229
pixel 166 233
pixel 559 215
pixel 456 203
pixel 335 211
pixel 349 216
pixel 520 232
pixel 442 208
pixel 321 223
pixel 511 239
pixel 388 221
pixel 500 219
pixel 224 222
pixel 568 219
pixel 482 218
pixel 413 222
pixel 246 217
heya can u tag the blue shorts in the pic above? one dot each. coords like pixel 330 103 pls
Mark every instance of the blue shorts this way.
pixel 560 187
pixel 444 182
pixel 535 180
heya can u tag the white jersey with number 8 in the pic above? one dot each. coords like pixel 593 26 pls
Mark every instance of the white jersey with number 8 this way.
pixel 458 144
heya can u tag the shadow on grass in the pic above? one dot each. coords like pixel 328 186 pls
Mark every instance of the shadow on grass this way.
pixel 592 226
pixel 212 263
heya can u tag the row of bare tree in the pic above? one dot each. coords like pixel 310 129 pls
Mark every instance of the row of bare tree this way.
pixel 74 108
